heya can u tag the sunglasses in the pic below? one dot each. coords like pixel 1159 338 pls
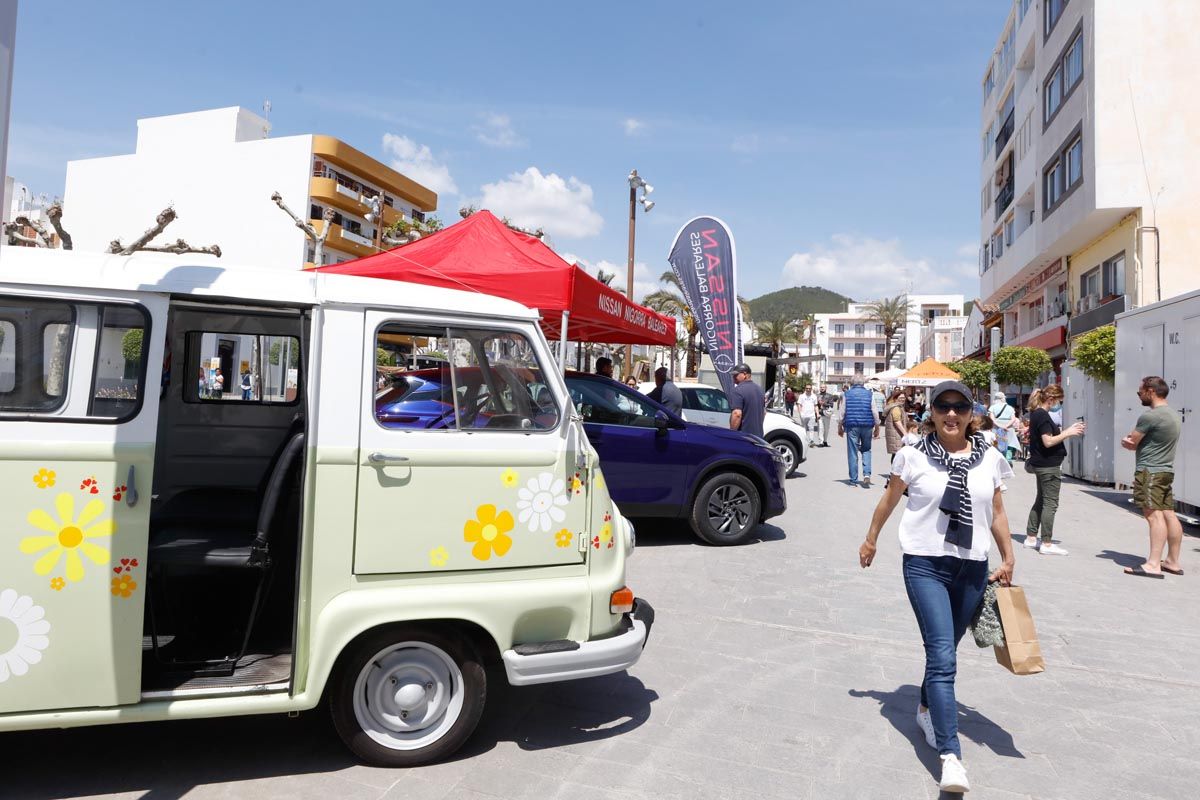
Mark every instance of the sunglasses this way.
pixel 958 408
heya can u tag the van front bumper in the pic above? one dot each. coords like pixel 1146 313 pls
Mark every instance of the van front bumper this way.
pixel 568 660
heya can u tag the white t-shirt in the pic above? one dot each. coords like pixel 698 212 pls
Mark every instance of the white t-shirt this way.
pixel 989 437
pixel 923 525
pixel 808 404
pixel 911 438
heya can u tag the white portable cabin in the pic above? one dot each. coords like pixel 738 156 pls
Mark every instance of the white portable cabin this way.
pixel 1162 339
pixel 1090 457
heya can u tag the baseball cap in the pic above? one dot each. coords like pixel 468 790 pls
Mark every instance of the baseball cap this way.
pixel 950 386
pixel 742 368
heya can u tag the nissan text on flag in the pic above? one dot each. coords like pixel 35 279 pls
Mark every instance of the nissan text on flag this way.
pixel 180 548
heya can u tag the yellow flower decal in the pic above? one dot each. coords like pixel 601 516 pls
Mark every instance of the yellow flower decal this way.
pixel 489 532
pixel 606 532
pixel 57 584
pixel 563 538
pixel 68 534
pixel 123 586
pixel 576 485
pixel 438 556
pixel 44 478
pixel 509 478
pixel 599 484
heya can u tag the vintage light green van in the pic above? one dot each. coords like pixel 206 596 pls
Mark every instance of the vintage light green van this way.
pixel 208 513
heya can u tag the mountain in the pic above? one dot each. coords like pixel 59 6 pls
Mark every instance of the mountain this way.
pixel 795 302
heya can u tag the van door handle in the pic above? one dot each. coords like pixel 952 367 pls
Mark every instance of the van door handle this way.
pixel 386 458
pixel 131 495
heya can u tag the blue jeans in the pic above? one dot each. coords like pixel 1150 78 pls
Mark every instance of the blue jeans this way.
pixel 858 440
pixel 944 591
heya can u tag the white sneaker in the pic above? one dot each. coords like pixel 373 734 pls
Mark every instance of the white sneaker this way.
pixel 925 723
pixel 1051 549
pixel 954 775
pixel 1032 542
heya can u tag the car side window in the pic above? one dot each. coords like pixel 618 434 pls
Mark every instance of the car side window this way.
pixel 713 400
pixel 609 403
pixel 690 401
pixel 434 378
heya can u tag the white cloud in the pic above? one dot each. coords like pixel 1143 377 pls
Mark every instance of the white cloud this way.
pixel 416 161
pixel 645 281
pixel 746 144
pixel 533 200
pixel 497 131
pixel 864 268
pixel 633 126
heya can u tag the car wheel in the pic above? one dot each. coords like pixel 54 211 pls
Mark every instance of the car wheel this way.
pixel 727 507
pixel 789 451
pixel 407 696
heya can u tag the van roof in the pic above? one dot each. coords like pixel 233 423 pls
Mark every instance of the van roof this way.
pixel 198 276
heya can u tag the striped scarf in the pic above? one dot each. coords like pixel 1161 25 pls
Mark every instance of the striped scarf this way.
pixel 956 501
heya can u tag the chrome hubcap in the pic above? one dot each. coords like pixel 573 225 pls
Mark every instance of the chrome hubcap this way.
pixel 729 509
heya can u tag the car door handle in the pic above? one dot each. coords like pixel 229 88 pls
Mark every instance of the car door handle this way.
pixel 386 458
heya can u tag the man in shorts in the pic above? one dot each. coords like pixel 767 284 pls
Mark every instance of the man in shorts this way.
pixel 1154 439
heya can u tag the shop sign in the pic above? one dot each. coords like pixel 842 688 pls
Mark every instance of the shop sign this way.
pixel 1013 298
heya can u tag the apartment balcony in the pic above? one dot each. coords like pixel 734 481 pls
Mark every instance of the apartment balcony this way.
pixel 1005 133
pixel 1017 256
pixel 1005 197
pixel 1092 312
pixel 345 241
pixel 331 193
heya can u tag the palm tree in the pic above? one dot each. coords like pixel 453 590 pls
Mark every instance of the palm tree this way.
pixel 893 314
pixel 777 332
pixel 674 303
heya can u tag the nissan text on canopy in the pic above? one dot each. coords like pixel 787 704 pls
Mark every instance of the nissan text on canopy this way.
pixel 177 546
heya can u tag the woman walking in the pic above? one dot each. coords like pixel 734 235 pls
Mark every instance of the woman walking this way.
pixel 1046 454
pixel 1003 415
pixel 894 425
pixel 954 504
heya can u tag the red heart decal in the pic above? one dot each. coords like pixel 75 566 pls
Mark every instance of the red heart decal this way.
pixel 125 561
pixel 117 570
pixel 134 562
pixel 95 490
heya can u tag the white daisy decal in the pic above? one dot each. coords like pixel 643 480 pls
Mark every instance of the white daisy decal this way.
pixel 24 630
pixel 540 502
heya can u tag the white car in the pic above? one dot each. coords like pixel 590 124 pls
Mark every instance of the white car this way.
pixel 708 405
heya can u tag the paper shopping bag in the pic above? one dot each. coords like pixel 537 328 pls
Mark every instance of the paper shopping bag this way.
pixel 1020 654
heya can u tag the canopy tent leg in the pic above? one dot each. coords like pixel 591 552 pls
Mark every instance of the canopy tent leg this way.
pixel 562 343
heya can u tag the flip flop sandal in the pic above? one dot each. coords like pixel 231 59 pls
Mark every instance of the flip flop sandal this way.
pixel 1141 573
pixel 1170 570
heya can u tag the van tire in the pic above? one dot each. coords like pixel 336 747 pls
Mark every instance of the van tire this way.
pixel 446 686
pixel 728 495
pixel 791 457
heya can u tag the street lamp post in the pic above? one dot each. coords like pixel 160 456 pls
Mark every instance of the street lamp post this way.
pixel 635 182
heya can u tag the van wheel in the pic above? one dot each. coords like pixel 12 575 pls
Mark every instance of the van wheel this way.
pixel 789 451
pixel 727 507
pixel 407 696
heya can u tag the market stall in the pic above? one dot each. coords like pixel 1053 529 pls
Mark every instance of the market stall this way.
pixel 482 254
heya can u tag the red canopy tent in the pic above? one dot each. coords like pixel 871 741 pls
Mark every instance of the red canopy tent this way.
pixel 483 254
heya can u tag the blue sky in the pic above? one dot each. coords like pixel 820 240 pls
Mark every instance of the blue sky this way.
pixel 840 141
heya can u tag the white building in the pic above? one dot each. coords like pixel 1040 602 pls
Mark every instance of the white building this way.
pixel 924 310
pixel 218 169
pixel 1089 178
pixel 852 342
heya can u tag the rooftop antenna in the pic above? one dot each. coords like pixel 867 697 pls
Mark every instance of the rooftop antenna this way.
pixel 267 110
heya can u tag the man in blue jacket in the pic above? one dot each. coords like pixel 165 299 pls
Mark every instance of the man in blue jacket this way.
pixel 859 425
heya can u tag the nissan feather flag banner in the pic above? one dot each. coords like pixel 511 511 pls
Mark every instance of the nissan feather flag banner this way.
pixel 703 260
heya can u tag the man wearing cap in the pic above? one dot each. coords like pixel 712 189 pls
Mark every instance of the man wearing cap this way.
pixel 859 425
pixel 748 402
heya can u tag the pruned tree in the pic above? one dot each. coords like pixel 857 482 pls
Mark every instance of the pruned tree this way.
pixel 142 243
pixel 54 214
pixel 318 239
pixel 976 375
pixel 1019 365
pixel 1095 353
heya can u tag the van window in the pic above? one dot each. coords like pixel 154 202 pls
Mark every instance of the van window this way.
pixel 35 354
pixel 243 368
pixel 120 362
pixel 460 379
